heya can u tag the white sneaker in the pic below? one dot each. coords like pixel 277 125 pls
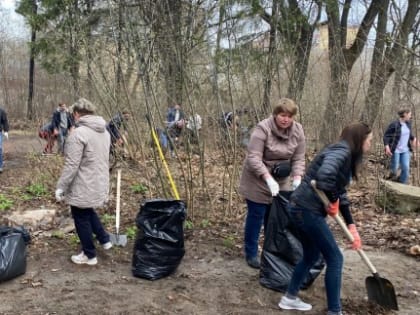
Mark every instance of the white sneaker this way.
pixel 296 304
pixel 107 245
pixel 83 259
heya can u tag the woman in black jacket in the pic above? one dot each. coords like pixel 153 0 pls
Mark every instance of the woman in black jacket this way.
pixel 398 141
pixel 332 169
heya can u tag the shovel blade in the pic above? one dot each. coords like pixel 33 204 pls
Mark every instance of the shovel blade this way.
pixel 118 239
pixel 381 291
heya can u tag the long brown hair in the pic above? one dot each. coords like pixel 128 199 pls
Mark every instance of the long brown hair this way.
pixel 355 135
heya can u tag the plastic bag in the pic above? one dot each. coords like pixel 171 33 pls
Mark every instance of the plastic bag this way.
pixel 282 249
pixel 12 252
pixel 159 246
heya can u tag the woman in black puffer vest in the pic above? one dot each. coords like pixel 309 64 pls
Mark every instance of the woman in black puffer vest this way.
pixel 332 169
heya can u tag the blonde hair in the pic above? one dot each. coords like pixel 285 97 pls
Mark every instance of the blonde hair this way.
pixel 285 105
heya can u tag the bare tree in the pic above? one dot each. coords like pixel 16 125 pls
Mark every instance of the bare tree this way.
pixel 387 56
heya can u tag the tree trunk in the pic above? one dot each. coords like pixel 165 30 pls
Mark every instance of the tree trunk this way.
pixel 301 61
pixel 266 106
pixel 386 59
pixel 30 107
pixel 342 60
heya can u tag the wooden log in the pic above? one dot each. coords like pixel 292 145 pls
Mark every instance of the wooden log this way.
pixel 398 198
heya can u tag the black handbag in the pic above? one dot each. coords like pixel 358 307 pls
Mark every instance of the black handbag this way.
pixel 282 169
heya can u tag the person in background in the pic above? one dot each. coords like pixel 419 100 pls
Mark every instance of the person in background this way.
pixel 175 122
pixel 115 126
pixel 275 154
pixel 193 126
pixel 332 169
pixel 46 132
pixel 62 123
pixel 399 142
pixel 84 181
pixel 4 132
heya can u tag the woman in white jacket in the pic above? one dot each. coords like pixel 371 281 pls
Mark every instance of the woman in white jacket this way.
pixel 84 182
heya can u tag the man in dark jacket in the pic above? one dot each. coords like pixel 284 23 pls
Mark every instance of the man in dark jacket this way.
pixel 4 131
pixel 62 123
pixel 398 141
pixel 114 128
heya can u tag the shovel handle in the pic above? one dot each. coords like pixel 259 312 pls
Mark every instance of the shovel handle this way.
pixel 343 226
pixel 117 210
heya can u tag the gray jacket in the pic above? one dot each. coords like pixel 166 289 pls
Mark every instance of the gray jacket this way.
pixel 85 177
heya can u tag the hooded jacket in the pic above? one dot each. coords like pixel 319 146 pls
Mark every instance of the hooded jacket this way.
pixel 268 146
pixel 85 176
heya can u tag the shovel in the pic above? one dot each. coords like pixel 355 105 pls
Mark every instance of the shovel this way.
pixel 117 239
pixel 380 290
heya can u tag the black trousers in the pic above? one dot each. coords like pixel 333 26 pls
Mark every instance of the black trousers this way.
pixel 87 223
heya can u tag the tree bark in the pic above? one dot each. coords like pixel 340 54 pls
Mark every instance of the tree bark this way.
pixel 30 107
pixel 270 57
pixel 342 60
pixel 386 60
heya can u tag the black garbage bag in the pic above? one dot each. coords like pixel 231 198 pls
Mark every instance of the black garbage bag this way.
pixel 159 245
pixel 13 243
pixel 282 249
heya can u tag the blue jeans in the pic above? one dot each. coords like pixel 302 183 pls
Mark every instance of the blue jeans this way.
pixel 87 222
pixel 62 134
pixel 254 220
pixel 401 160
pixel 317 238
pixel 1 149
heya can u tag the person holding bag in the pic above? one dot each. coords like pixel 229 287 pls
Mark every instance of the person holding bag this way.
pixel 332 169
pixel 275 157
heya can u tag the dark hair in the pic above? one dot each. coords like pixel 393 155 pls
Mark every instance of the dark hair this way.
pixel 402 111
pixel 355 135
pixel 285 105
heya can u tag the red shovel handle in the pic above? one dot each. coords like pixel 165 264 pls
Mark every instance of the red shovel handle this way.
pixel 343 226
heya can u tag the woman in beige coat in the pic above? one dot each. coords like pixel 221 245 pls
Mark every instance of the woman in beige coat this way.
pixel 275 157
pixel 84 181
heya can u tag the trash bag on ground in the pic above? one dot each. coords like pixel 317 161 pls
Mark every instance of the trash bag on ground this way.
pixel 282 249
pixel 13 243
pixel 159 246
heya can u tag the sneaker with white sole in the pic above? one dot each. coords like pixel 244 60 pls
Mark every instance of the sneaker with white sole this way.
pixel 83 259
pixel 294 304
pixel 107 245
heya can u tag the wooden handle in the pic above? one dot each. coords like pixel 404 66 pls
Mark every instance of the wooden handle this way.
pixel 343 226
pixel 117 210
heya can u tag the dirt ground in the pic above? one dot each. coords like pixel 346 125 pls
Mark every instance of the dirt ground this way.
pixel 213 277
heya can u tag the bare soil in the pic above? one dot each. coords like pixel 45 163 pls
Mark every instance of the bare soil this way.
pixel 213 277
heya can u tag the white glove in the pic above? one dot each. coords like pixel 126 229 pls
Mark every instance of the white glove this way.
pixel 59 195
pixel 6 135
pixel 296 182
pixel 273 186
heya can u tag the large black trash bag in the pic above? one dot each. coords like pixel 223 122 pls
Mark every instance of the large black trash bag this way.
pixel 159 245
pixel 12 252
pixel 282 249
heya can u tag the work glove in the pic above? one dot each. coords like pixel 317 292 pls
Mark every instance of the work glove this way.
pixel 333 207
pixel 59 195
pixel 273 186
pixel 357 242
pixel 296 182
pixel 6 135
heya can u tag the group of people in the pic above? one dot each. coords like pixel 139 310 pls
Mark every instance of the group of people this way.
pixel 62 123
pixel 177 125
pixel 275 161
